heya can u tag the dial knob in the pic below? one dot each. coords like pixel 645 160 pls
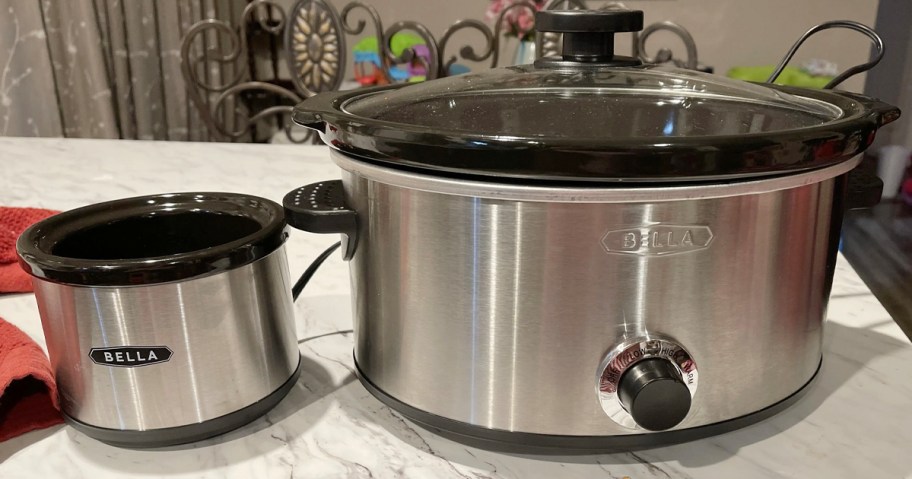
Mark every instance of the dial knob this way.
pixel 654 394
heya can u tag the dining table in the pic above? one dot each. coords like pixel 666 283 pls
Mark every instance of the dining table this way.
pixel 855 420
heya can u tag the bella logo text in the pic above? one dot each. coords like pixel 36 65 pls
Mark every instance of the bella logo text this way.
pixel 657 240
pixel 130 356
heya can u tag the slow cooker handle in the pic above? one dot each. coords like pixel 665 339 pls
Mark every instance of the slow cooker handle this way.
pixel 321 208
pixel 884 113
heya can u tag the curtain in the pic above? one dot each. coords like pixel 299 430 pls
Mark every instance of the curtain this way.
pixel 102 68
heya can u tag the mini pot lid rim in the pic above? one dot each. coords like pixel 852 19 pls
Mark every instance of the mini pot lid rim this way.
pixel 34 246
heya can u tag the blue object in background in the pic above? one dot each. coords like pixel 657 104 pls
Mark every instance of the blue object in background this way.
pixel 457 69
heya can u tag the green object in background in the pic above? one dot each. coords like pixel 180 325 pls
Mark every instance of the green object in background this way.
pixel 398 43
pixel 367 44
pixel 367 51
pixel 791 76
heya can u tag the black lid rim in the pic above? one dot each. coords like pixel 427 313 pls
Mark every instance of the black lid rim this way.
pixel 36 242
pixel 600 159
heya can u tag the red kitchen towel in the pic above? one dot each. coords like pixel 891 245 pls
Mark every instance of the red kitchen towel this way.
pixel 13 221
pixel 28 394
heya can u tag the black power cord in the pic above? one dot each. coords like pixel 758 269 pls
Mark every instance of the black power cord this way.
pixel 309 272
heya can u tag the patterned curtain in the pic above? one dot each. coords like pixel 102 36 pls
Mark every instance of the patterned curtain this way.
pixel 101 68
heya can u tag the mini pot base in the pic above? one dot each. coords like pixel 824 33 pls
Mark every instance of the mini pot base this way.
pixel 522 442
pixel 173 436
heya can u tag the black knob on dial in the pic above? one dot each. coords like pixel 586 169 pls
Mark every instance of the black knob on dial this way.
pixel 654 394
pixel 589 35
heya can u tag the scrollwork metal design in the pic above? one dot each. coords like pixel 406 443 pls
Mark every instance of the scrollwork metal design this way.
pixel 315 47
pixel 431 64
pixel 382 46
pixel 467 52
pixel 235 90
pixel 199 90
pixel 384 38
pixel 211 54
pixel 665 55
pixel 492 39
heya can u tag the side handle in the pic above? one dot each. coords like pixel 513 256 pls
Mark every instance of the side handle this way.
pixel 863 189
pixel 321 208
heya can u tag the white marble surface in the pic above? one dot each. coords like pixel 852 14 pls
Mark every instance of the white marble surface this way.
pixel 855 422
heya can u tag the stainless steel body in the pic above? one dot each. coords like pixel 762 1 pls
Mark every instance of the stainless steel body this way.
pixel 231 337
pixel 496 304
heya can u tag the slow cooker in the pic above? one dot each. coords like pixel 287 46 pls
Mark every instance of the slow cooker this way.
pixel 588 252
pixel 169 317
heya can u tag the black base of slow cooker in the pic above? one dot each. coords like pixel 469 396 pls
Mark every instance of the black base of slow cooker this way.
pixel 172 436
pixel 523 442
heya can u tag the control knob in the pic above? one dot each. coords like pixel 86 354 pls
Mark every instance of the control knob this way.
pixel 654 394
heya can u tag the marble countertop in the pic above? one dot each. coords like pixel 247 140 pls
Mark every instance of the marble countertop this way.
pixel 855 421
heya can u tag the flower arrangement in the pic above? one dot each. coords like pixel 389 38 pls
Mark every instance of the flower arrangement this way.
pixel 518 22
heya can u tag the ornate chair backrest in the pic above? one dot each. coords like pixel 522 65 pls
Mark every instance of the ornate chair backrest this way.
pixel 315 47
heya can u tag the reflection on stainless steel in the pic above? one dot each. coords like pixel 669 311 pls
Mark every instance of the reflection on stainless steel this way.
pixel 618 194
pixel 498 312
pixel 232 337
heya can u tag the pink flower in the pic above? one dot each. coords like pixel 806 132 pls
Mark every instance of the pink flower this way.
pixel 518 21
pixel 526 22
pixel 494 9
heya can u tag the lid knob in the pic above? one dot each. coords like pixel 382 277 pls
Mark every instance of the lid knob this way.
pixel 588 34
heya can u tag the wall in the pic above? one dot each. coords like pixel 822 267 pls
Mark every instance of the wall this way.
pixel 727 32
pixel 891 81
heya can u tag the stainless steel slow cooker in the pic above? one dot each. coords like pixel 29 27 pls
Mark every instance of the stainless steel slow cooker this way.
pixel 168 318
pixel 588 252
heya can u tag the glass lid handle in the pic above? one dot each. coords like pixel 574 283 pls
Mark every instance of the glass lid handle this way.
pixel 588 35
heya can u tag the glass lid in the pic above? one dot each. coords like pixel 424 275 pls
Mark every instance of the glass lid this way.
pixel 590 115
pixel 642 102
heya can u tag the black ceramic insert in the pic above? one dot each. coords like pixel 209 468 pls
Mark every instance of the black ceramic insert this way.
pixel 152 239
pixel 155 235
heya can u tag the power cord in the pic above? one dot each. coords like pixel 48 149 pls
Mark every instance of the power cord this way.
pixel 342 332
pixel 305 278
pixel 309 272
